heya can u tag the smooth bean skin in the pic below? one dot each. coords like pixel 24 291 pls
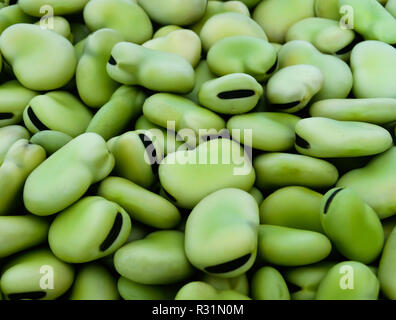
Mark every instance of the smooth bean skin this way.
pixel 257 195
pixel 165 30
pixel 373 110
pixel 277 16
pixel 374 183
pixel 8 136
pixel 271 131
pixel 249 3
pixel 239 284
pixel 18 233
pixel 387 266
pixel 41 59
pixel 349 280
pixel 372 20
pixel 21 159
pixel 124 16
pixel 184 43
pixel 307 278
pixel 180 168
pixel 229 24
pixel 131 290
pixel 60 25
pixel 58 111
pixel 202 75
pixel 275 170
pixel 22 276
pixel 133 160
pixel 84 161
pixel 51 140
pixel 13 14
pixel 90 229
pixel 354 228
pixel 293 207
pixel 328 138
pixel 325 34
pixel 179 12
pixel 112 118
pixel 155 70
pixel 33 7
pixel 198 290
pixel 139 260
pixel 216 7
pixel 289 247
pixel 228 248
pixel 268 284
pixel 13 100
pixel 242 54
pixel 231 94
pixel 163 107
pixel 94 282
pixel 328 9
pixel 94 85
pixel 369 81
pixel 338 78
pixel 291 88
pixel 141 204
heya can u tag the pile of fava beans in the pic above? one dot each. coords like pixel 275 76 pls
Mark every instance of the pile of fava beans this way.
pixel 198 150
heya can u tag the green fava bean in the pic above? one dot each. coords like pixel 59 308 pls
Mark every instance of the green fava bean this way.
pixel 59 25
pixel 276 170
pixel 328 138
pixel 179 12
pixel 229 24
pixel 59 7
pixel 124 16
pixel 124 105
pixel 213 165
pixel 284 246
pixel 94 282
pixel 26 276
pixel 239 284
pixel 13 100
pixel 155 70
pixel 372 20
pixel 372 110
pixel 231 94
pixel 325 34
pixel 135 155
pixel 349 280
pixel 271 131
pixel 228 248
pixel 8 136
pixel 242 54
pixel 202 75
pixel 94 85
pixel 328 9
pixel 216 7
pixel 374 183
pixel 292 88
pixel 18 233
pixel 79 31
pixel 352 225
pixel 184 43
pixel 162 108
pixel 11 15
pixel 41 59
pixel 131 290
pixel 198 290
pixel 307 279
pixel 387 266
pixel 21 159
pixel 293 207
pixel 257 195
pixel 277 16
pixel 268 284
pixel 337 75
pixel 90 229
pixel 84 161
pixel 141 204
pixel 391 7
pixel 369 81
pixel 164 31
pixel 139 260
pixel 50 140
pixel 58 111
